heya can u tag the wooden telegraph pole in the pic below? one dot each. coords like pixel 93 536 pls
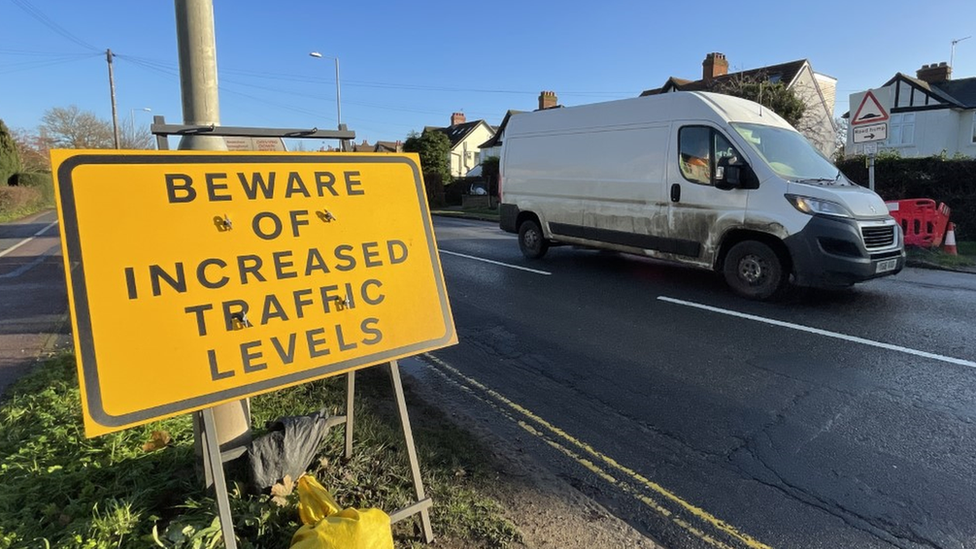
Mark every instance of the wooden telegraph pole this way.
pixel 111 85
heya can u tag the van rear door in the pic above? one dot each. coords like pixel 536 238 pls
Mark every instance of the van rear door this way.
pixel 538 178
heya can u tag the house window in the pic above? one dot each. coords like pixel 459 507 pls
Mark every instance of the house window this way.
pixel 901 130
pixel 974 127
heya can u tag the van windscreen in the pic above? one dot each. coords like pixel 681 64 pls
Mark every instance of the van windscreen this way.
pixel 790 155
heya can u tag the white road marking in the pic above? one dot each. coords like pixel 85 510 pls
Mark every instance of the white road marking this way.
pixel 26 240
pixel 497 263
pixel 826 333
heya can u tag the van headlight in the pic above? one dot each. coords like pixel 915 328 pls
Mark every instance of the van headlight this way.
pixel 815 206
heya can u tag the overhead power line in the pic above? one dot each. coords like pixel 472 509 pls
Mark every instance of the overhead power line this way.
pixel 391 85
pixel 29 8
pixel 31 65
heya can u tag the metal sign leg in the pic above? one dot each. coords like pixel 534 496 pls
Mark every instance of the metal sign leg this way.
pixel 216 466
pixel 350 392
pixel 422 502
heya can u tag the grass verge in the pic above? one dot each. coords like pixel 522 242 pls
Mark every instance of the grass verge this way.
pixel 485 214
pixel 64 490
pixel 966 258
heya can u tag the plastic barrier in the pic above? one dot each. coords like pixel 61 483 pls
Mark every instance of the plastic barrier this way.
pixel 921 221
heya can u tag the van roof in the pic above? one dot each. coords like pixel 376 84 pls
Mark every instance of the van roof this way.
pixel 666 107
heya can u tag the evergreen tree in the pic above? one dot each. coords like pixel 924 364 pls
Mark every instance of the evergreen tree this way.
pixel 9 159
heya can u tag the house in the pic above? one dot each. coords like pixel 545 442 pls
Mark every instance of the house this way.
pixel 380 146
pixel 817 91
pixel 493 147
pixel 928 114
pixel 466 138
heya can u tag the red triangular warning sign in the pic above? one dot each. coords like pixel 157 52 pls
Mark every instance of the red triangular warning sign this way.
pixel 870 111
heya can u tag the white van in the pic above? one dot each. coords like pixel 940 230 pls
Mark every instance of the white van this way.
pixel 702 179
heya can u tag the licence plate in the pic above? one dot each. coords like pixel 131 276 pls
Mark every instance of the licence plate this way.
pixel 886 265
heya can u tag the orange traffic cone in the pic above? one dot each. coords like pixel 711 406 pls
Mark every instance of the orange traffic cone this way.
pixel 950 240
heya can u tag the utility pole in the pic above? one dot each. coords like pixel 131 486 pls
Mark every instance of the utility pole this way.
pixel 198 85
pixel 111 85
pixel 221 433
pixel 198 72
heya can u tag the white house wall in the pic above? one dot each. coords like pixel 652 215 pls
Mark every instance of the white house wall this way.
pixel 817 123
pixel 935 131
pixel 965 139
pixel 465 155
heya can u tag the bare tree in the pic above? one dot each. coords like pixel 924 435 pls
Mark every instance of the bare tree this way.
pixel 73 128
pixel 840 139
pixel 35 155
pixel 136 137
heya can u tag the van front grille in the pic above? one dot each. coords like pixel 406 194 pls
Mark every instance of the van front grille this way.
pixel 878 237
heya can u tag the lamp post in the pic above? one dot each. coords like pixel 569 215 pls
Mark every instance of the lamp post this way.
pixel 132 115
pixel 338 103
pixel 129 137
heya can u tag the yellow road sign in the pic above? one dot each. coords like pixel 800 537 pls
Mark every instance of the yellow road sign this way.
pixel 196 278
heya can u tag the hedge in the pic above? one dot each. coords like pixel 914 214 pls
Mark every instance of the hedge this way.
pixel 17 201
pixel 41 181
pixel 952 181
pixel 27 193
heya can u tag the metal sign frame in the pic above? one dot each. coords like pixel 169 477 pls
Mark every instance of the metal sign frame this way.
pixel 214 459
pixel 420 507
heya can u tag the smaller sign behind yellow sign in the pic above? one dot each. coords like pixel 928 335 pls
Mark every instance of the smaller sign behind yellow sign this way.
pixel 199 278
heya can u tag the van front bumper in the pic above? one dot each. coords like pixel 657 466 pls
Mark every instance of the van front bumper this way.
pixel 831 252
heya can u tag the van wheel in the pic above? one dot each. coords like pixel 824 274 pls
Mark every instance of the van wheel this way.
pixel 753 270
pixel 531 241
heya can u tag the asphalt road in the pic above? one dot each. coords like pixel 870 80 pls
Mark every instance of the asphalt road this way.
pixel 835 419
pixel 33 298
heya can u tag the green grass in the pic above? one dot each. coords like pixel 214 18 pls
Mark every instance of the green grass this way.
pixel 472 213
pixel 966 257
pixel 61 489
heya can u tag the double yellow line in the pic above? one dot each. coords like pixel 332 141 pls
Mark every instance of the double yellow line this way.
pixel 600 464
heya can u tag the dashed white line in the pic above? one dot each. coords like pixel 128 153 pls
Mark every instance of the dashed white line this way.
pixel 825 333
pixel 26 240
pixel 493 262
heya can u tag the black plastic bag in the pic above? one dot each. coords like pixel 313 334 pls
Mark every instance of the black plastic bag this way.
pixel 288 449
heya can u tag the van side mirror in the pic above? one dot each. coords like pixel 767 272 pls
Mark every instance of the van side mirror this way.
pixel 734 175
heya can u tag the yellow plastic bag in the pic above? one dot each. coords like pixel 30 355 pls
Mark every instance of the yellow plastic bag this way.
pixel 328 527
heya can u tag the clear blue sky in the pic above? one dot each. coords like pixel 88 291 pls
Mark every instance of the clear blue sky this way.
pixel 406 65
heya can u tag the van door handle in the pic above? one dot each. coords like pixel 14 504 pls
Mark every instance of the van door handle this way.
pixel 675 192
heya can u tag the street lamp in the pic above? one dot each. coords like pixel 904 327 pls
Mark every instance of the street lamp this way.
pixel 130 136
pixel 132 115
pixel 338 103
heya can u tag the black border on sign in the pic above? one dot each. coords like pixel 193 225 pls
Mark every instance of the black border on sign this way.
pixel 80 292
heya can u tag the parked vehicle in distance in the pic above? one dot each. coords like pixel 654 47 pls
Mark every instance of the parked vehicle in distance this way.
pixel 702 179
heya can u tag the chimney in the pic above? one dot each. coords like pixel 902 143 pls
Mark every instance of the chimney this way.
pixel 457 118
pixel 547 100
pixel 714 66
pixel 934 73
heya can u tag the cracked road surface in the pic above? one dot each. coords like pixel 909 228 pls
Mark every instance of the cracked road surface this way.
pixel 834 419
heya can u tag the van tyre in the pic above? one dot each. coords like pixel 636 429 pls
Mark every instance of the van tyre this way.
pixel 531 240
pixel 753 270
